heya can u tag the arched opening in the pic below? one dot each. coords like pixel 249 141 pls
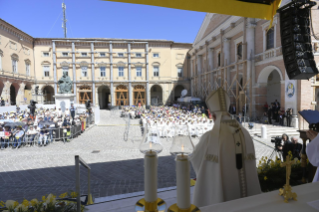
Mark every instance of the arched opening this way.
pixel 139 95
pixel 14 88
pixel 13 94
pixel 85 94
pixel 104 96
pixel 178 92
pixel 273 87
pixel 121 95
pixel 1 87
pixel 269 85
pixel 27 93
pixel 156 95
pixel 48 93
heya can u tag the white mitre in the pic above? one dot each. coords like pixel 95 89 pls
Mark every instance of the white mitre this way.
pixel 218 101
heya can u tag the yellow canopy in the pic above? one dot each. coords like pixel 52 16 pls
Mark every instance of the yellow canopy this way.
pixel 242 8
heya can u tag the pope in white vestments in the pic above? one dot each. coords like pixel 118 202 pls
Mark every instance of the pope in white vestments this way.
pixel 313 152
pixel 224 159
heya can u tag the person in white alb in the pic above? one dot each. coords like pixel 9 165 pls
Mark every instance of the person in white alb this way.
pixel 313 151
pixel 224 159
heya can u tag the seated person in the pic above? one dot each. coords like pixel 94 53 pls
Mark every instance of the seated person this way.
pixel 7 135
pixel 43 136
pixel 31 133
pixel 2 137
pixel 18 135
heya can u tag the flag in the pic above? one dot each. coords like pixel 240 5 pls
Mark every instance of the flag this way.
pixel 262 9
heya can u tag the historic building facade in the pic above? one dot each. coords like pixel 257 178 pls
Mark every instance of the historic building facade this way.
pixel 16 63
pixel 105 71
pixel 243 56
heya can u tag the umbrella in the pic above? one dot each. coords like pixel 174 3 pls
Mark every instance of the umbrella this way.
pixel 14 124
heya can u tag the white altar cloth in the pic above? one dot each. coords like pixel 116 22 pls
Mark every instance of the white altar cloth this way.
pixel 271 201
pixel 266 202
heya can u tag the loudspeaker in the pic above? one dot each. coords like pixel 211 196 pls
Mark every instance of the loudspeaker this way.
pixel 296 42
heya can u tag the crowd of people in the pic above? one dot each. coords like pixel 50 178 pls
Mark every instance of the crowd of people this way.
pixel 274 112
pixel 41 126
pixel 170 121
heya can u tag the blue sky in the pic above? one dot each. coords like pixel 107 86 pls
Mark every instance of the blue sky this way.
pixel 101 19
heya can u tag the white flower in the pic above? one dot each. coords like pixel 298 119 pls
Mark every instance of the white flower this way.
pixel 23 208
pixel 10 203
pixel 50 199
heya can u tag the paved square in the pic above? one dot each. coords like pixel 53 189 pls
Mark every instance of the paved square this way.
pixel 31 172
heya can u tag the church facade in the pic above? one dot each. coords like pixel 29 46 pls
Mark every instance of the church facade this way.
pixel 245 58
pixel 105 71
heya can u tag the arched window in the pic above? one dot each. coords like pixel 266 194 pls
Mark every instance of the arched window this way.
pixel 270 36
pixel 218 59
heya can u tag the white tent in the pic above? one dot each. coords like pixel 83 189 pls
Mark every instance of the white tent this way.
pixel 188 99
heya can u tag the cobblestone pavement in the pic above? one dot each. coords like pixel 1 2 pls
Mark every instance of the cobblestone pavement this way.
pixel 117 168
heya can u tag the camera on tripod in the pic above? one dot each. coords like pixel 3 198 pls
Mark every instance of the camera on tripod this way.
pixel 277 141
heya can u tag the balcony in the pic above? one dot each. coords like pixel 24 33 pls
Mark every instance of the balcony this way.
pixel 269 54
pixel 16 75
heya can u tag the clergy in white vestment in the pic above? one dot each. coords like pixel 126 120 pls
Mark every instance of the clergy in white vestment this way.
pixel 224 159
pixel 313 151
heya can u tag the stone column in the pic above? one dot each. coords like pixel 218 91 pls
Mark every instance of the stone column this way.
pixel 199 78
pixel 250 39
pixel 226 51
pixel 54 68
pixel 130 90
pixel 93 74
pixel 111 74
pixel 148 97
pixel 6 90
pixel 20 94
pixel 74 73
pixel 211 58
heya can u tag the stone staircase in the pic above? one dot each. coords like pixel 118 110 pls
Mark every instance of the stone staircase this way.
pixel 272 130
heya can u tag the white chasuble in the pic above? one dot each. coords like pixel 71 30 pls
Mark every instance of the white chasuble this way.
pixel 224 159
pixel 313 155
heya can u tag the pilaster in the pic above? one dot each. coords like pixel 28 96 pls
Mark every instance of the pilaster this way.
pixel 129 74
pixel 54 68
pixel 74 72
pixel 93 74
pixel 250 40
pixel 111 74
pixel 148 97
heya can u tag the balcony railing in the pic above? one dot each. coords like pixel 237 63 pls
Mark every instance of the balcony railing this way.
pixel 16 75
pixel 266 55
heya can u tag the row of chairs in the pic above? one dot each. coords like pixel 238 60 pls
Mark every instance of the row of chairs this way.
pixel 171 131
